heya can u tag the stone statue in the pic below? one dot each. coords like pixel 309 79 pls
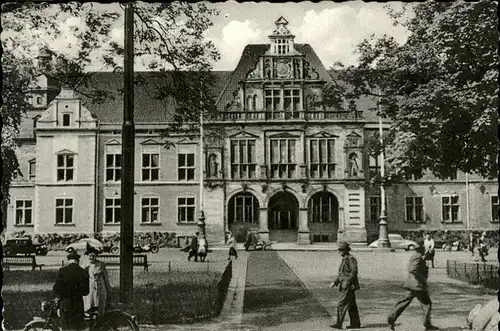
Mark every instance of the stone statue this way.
pixel 353 165
pixel 213 165
pixel 310 102
pixel 268 69
pixel 298 69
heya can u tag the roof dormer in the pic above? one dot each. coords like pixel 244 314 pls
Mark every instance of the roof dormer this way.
pixel 281 38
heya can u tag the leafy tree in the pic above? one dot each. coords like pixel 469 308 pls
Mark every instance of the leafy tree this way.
pixel 169 38
pixel 439 89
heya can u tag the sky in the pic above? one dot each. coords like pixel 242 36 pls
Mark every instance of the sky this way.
pixel 332 29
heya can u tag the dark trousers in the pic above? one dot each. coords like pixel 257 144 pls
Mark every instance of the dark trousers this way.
pixel 193 253
pixel 425 302
pixel 347 303
pixel 72 314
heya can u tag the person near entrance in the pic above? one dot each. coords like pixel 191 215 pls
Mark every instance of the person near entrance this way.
pixel 347 281
pixel 416 285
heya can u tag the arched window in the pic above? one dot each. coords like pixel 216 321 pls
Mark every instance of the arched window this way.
pixel 244 208
pixel 323 208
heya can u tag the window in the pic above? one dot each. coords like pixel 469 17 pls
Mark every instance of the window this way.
pixel 243 163
pixel 245 208
pixel 323 208
pixel 376 208
pixel 292 100
pixel 185 166
pixel 150 166
pixel 32 170
pixel 39 100
pixel 65 167
pixel 113 166
pixel 150 207
pixel 414 210
pixel 374 165
pixel 494 209
pixel 24 212
pixel 450 209
pixel 281 46
pixel 64 211
pixel 66 119
pixel 283 164
pixel 185 210
pixel 112 210
pixel 272 98
pixel 321 158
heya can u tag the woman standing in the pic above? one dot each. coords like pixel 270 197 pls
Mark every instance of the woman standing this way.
pixel 429 249
pixel 231 242
pixel 99 286
pixel 202 248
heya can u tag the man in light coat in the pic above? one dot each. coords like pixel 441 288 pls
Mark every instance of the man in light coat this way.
pixel 347 281
pixel 416 286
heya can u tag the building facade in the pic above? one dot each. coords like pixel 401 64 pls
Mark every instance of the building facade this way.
pixel 284 164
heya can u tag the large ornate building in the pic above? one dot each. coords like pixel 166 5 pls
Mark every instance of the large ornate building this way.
pixel 292 169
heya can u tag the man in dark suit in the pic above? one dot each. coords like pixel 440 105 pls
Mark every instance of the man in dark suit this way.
pixel 416 285
pixel 72 284
pixel 347 281
pixel 193 251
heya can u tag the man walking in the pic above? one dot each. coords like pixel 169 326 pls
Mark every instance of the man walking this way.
pixel 72 284
pixel 193 251
pixel 347 281
pixel 416 285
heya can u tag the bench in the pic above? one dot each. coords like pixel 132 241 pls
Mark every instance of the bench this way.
pixel 137 260
pixel 21 261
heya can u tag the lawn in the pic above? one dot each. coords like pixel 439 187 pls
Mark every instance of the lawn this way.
pixel 159 297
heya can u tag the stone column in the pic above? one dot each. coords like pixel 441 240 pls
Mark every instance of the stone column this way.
pixel 263 226
pixel 303 237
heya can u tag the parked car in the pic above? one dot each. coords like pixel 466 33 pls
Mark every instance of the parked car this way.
pixel 81 245
pixel 397 242
pixel 24 246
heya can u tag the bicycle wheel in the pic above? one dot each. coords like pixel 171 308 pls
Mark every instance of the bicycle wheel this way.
pixel 117 320
pixel 40 326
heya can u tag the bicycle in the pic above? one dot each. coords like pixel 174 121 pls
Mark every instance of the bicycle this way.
pixel 112 319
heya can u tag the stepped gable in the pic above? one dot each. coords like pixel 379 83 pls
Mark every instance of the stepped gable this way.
pixel 248 60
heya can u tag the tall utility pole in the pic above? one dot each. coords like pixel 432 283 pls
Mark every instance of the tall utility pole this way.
pixel 127 180
pixel 383 237
pixel 201 219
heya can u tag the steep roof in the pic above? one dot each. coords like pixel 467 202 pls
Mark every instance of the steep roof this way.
pixel 248 60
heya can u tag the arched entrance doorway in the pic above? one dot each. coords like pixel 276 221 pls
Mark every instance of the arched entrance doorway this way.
pixel 283 217
pixel 323 217
pixel 243 214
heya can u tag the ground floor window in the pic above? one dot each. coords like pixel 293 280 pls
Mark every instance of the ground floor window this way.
pixel 24 212
pixel 64 211
pixel 323 208
pixel 150 207
pixel 494 209
pixel 450 209
pixel 374 209
pixel 244 207
pixel 185 210
pixel 414 210
pixel 112 213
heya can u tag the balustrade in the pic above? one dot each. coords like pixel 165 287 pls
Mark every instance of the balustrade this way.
pixel 318 115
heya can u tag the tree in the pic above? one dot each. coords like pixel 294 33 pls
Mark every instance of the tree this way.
pixel 169 39
pixel 439 89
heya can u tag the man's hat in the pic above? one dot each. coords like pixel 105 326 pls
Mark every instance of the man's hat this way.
pixel 73 255
pixel 343 246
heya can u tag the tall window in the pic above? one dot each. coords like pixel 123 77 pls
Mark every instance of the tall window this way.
pixel 374 165
pixel 322 158
pixel 292 100
pixel 272 98
pixel 185 166
pixel 283 163
pixel 32 170
pixel 414 210
pixel 65 167
pixel 374 208
pixel 66 119
pixel 112 210
pixel 185 210
pixel 450 209
pixel 243 162
pixel 113 165
pixel 323 208
pixel 64 211
pixel 245 208
pixel 24 212
pixel 149 209
pixel 494 209
pixel 150 166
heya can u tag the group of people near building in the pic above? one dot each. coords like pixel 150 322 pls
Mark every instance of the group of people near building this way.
pixel 415 284
pixel 197 248
pixel 79 289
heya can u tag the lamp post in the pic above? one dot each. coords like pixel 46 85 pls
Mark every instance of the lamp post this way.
pixel 467 205
pixel 383 237
pixel 127 177
pixel 201 218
